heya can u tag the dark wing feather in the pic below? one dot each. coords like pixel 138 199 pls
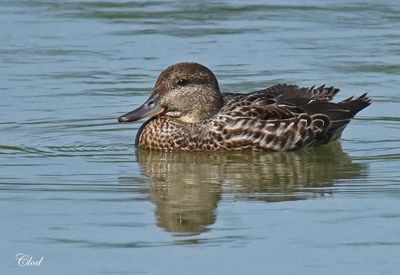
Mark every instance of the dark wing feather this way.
pixel 293 91
pixel 284 91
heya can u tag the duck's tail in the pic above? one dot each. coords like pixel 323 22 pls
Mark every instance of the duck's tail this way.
pixel 356 105
pixel 340 114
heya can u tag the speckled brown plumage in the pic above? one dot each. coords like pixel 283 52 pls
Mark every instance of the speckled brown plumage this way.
pixel 189 113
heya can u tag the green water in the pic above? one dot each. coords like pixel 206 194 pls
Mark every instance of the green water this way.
pixel 75 191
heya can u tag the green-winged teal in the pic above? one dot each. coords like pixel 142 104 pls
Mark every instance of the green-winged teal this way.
pixel 188 112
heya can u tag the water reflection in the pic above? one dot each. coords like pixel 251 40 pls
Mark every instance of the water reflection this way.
pixel 186 187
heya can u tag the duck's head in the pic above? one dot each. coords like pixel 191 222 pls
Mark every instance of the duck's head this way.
pixel 185 91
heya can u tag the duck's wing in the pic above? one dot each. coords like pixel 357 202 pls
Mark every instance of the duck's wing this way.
pixel 285 91
pixel 288 101
pixel 277 102
pixel 285 121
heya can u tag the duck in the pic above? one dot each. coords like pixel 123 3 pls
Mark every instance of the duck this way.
pixel 186 111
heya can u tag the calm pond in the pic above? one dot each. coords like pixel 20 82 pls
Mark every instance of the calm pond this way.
pixel 76 196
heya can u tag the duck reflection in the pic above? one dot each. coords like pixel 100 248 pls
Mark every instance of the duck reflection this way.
pixel 187 186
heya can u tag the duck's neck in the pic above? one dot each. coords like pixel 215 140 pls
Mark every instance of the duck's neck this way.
pixel 204 109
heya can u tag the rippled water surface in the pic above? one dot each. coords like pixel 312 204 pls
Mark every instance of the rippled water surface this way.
pixel 75 191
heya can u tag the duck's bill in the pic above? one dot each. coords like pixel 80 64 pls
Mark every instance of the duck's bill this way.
pixel 150 108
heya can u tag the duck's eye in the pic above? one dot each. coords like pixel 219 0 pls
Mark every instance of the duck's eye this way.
pixel 183 82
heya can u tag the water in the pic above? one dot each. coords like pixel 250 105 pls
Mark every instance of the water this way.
pixel 76 192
